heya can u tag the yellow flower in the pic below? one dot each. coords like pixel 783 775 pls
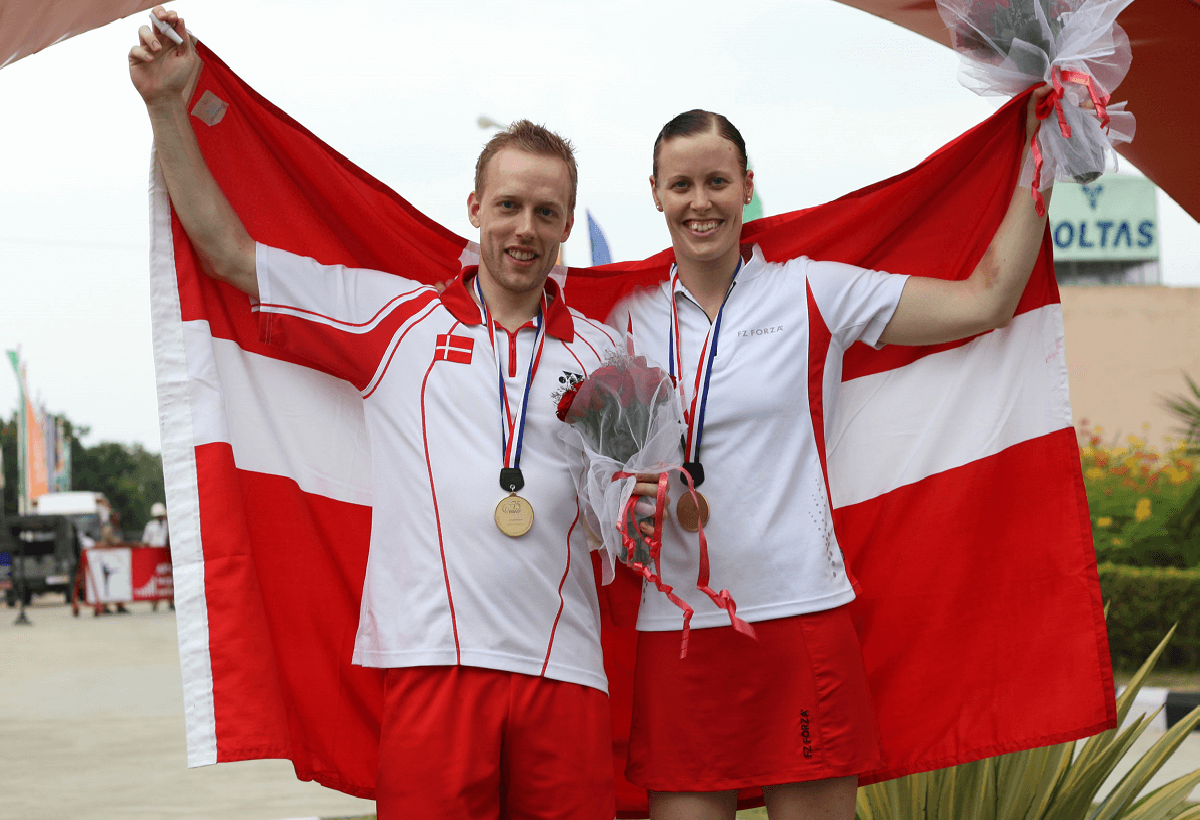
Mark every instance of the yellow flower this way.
pixel 1135 442
pixel 1117 452
pixel 1098 430
pixel 1117 542
pixel 1087 452
pixel 1104 521
pixel 1174 474
pixel 1143 509
pixel 1094 474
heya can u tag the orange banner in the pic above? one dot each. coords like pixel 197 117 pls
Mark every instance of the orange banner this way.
pixel 37 477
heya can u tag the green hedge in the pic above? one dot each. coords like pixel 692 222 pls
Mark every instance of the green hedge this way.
pixel 1143 603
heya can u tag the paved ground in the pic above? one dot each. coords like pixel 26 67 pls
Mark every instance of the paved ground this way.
pixel 91 728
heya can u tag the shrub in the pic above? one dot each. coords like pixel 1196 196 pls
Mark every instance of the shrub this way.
pixel 1143 603
pixel 1144 505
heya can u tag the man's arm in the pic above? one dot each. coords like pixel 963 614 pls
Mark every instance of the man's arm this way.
pixel 931 311
pixel 165 75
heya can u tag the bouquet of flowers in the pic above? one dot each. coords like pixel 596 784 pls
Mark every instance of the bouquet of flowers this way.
pixel 1074 45
pixel 624 420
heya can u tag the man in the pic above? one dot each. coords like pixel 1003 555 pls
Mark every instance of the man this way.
pixel 155 532
pixel 484 615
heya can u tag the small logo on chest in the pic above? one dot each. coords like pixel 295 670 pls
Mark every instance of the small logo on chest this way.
pixel 760 331
pixel 451 348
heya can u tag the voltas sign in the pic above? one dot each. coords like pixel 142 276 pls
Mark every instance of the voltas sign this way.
pixel 1114 218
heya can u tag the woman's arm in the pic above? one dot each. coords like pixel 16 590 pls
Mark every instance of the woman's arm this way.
pixel 932 311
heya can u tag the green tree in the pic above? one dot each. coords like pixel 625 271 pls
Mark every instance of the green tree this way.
pixel 8 449
pixel 129 475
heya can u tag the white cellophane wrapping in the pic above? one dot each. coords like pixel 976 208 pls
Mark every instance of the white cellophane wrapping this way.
pixel 630 421
pixel 1008 46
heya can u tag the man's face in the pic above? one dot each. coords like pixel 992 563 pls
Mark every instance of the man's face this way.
pixel 523 214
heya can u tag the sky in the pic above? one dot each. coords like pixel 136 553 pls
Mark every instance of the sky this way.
pixel 828 98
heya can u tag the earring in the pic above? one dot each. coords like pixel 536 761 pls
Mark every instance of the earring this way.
pixel 660 207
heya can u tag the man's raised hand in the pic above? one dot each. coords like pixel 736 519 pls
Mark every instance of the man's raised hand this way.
pixel 159 69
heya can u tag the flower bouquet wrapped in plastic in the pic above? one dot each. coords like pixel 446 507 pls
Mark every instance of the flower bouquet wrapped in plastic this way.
pixel 625 420
pixel 1074 45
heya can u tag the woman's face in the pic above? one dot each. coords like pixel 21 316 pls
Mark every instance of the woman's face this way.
pixel 701 188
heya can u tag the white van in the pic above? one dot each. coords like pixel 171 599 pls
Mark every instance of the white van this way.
pixel 89 511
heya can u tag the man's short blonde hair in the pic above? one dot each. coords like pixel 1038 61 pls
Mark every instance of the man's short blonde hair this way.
pixel 534 139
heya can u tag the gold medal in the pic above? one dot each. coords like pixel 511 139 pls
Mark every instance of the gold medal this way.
pixel 689 515
pixel 514 516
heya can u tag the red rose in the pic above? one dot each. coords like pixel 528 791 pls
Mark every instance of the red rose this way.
pixel 646 381
pixel 607 381
pixel 565 402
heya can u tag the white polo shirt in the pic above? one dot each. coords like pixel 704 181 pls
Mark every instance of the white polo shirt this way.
pixel 443 585
pixel 772 389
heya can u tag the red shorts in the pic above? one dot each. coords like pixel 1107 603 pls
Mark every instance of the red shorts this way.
pixel 470 743
pixel 736 712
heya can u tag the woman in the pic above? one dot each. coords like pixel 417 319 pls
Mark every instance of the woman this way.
pixel 788 711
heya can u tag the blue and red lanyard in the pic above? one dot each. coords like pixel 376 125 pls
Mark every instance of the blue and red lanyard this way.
pixel 693 412
pixel 512 425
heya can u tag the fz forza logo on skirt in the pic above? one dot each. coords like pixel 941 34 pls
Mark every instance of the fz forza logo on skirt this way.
pixel 451 348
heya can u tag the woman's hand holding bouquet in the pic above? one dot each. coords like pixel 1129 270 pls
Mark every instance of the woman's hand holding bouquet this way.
pixel 626 422
pixel 1076 47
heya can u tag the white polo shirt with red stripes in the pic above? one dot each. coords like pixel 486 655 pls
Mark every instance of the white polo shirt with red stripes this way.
pixel 773 382
pixel 444 586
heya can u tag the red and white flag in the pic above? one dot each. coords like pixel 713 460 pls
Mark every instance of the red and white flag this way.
pixel 451 348
pixel 954 470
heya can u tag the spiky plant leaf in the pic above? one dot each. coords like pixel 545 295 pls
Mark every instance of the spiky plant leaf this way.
pixel 1125 701
pixel 896 791
pixel 875 796
pixel 1058 761
pixel 1187 410
pixel 1084 778
pixel 1159 753
pixel 862 805
pixel 918 788
pixel 1102 742
pixel 948 785
pixel 1049 783
pixel 1022 784
pixel 1017 777
pixel 1159 803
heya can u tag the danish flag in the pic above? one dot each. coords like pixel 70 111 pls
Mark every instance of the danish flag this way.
pixel 451 348
pixel 978 609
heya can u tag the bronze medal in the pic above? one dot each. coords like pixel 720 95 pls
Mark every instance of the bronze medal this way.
pixel 689 515
pixel 514 516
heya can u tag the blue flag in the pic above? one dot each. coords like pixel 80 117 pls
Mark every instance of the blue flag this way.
pixel 600 254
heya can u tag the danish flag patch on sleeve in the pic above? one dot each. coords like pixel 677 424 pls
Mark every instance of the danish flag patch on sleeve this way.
pixel 453 348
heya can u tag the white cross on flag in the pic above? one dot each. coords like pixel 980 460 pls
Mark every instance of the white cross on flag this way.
pixel 451 348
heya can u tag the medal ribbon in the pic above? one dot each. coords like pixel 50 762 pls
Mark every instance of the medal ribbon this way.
pixel 625 525
pixel 512 426
pixel 693 414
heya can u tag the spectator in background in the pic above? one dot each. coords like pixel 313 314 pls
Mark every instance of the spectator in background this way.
pixel 155 533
